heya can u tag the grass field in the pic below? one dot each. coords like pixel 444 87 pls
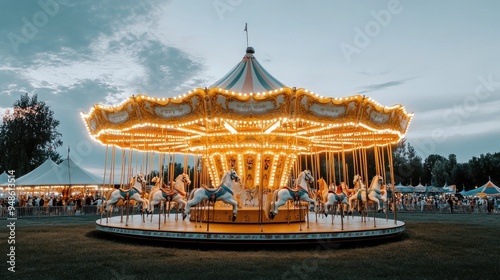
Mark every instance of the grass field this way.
pixel 434 246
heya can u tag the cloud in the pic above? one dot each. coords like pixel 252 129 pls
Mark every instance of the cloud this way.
pixel 87 55
pixel 365 73
pixel 381 86
pixel 464 145
pixel 454 121
pixel 12 84
pixel 39 27
pixel 120 50
pixel 168 70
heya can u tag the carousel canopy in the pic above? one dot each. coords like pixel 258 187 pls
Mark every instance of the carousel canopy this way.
pixel 248 76
pixel 247 109
pixel 488 189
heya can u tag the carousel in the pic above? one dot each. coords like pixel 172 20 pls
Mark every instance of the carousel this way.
pixel 268 163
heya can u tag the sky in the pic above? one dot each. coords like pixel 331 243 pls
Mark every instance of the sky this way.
pixel 437 58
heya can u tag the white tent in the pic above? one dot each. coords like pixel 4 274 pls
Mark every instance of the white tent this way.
pixel 420 188
pixel 26 179
pixel 67 173
pixel 3 178
pixel 403 189
pixel 450 188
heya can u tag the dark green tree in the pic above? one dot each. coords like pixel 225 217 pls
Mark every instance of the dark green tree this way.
pixel 407 164
pixel 461 177
pixel 428 166
pixel 485 167
pixel 439 176
pixel 415 162
pixel 28 136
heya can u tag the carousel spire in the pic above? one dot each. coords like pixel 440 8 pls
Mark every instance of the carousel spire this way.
pixel 246 31
pixel 248 76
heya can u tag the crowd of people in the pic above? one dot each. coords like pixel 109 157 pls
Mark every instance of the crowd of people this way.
pixel 447 203
pixel 409 202
pixel 52 204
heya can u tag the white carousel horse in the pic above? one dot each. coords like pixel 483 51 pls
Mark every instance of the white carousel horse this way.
pixel 376 193
pixel 164 193
pixel 300 192
pixel 330 196
pixel 224 192
pixel 358 185
pixel 134 193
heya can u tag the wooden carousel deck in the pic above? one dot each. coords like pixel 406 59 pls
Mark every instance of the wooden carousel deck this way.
pixel 319 229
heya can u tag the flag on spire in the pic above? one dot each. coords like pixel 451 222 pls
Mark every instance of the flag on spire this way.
pixel 246 31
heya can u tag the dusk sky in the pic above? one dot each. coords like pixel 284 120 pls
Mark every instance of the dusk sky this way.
pixel 440 59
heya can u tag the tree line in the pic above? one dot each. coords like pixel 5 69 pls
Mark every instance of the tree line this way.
pixel 438 170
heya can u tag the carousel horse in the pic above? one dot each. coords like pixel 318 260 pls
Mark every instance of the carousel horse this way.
pixel 358 185
pixel 120 203
pixel 165 193
pixel 300 192
pixel 376 193
pixel 332 195
pixel 134 193
pixel 224 192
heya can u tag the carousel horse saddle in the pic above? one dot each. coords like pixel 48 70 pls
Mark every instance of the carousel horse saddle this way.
pixel 359 196
pixel 339 191
pixel 128 193
pixel 378 192
pixel 336 192
pixel 214 194
pixel 171 192
pixel 296 193
pixel 168 194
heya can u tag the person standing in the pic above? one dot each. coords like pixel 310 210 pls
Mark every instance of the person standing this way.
pixel 451 202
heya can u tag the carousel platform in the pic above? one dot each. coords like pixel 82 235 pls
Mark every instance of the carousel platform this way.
pixel 319 229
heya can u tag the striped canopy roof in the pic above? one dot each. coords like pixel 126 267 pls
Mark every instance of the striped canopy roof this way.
pixel 248 76
pixel 487 189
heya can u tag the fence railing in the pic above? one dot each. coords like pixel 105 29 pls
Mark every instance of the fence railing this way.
pixel 40 211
